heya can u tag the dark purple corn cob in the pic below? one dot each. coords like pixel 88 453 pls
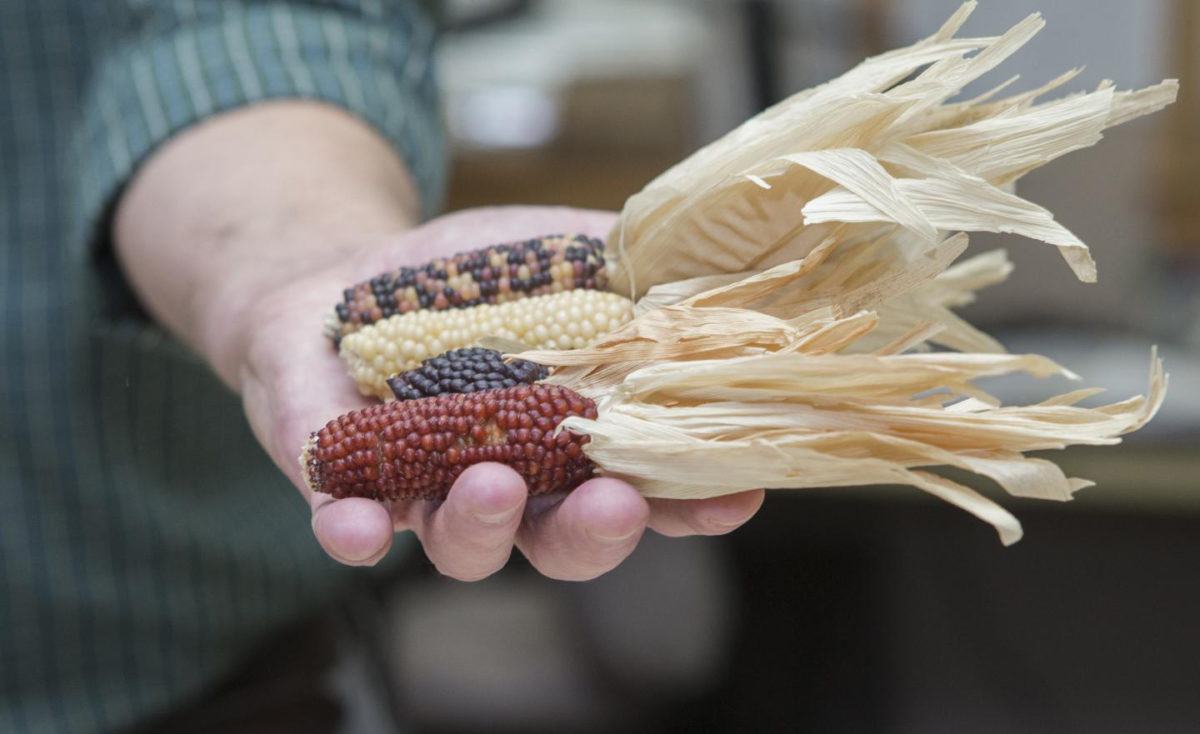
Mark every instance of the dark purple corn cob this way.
pixel 464 370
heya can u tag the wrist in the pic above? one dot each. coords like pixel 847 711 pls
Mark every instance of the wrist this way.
pixel 242 312
pixel 227 214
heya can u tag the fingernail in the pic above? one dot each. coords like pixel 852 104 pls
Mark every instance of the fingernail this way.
pixel 727 524
pixel 367 559
pixel 613 539
pixel 498 518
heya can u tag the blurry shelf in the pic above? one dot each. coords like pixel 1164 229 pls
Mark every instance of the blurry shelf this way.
pixel 1136 477
pixel 1129 479
pixel 582 179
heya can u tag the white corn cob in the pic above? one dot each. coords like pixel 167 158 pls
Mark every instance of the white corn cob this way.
pixel 567 320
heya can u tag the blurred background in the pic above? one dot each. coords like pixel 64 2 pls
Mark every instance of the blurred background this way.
pixel 851 610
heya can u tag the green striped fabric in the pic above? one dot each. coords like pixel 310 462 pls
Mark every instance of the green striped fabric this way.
pixel 145 540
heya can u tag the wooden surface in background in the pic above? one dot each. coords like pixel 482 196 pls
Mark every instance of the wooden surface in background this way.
pixel 595 180
pixel 1179 181
pixel 616 135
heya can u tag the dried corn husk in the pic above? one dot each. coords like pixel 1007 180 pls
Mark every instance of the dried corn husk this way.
pixel 792 276
pixel 873 150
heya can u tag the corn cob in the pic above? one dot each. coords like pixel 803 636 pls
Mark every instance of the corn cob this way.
pixel 464 370
pixel 568 320
pixel 415 449
pixel 495 274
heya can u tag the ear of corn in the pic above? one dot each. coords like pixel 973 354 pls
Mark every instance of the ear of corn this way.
pixel 415 449
pixel 472 369
pixel 568 320
pixel 495 274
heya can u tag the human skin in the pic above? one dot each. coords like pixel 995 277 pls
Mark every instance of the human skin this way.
pixel 239 234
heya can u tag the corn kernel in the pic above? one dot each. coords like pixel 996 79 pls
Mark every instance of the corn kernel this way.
pixel 539 321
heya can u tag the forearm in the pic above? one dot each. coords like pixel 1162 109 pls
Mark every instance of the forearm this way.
pixel 246 202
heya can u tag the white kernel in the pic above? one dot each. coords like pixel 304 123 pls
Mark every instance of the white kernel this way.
pixel 563 342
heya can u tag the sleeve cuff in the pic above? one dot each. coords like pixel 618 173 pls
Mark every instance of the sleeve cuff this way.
pixel 179 71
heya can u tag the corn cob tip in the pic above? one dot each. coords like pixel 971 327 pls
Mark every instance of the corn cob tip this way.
pixel 307 468
pixel 416 449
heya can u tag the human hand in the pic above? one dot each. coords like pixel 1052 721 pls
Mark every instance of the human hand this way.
pixel 292 382
pixel 240 234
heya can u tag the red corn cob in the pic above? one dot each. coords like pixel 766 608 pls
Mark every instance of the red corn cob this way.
pixel 415 449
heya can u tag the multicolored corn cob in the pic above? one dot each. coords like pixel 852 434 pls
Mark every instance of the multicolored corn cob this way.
pixel 472 369
pixel 415 449
pixel 569 320
pixel 495 274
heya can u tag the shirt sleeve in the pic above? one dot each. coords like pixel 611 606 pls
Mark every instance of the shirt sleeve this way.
pixel 174 63
pixel 160 67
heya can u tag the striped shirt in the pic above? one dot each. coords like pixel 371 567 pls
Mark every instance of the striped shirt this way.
pixel 146 541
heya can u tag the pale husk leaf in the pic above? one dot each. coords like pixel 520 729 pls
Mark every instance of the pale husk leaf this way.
pixel 794 270
pixel 869 149
pixel 707 428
